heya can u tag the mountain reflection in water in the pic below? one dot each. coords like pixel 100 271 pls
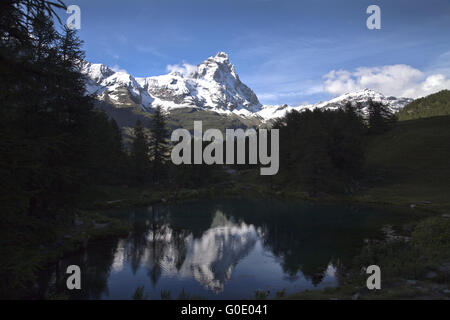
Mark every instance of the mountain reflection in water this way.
pixel 221 249
pixel 209 260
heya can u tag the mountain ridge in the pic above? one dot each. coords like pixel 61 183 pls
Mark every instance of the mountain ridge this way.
pixel 213 86
pixel 362 96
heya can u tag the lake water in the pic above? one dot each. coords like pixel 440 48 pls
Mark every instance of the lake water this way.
pixel 223 249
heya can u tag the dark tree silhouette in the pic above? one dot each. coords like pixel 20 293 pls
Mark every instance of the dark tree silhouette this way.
pixel 159 147
pixel 322 149
pixel 380 117
pixel 140 153
pixel 54 145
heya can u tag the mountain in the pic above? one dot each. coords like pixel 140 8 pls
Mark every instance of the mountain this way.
pixel 212 86
pixel 362 97
pixel 211 91
pixel 437 104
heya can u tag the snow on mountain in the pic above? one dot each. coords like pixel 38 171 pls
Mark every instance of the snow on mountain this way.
pixel 359 97
pixel 363 96
pixel 118 87
pixel 269 112
pixel 214 86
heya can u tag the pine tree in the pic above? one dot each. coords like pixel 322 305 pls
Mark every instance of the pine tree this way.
pixel 54 145
pixel 44 36
pixel 315 162
pixel 117 136
pixel 119 154
pixel 140 153
pixel 323 149
pixel 159 145
pixel 380 117
pixel 70 47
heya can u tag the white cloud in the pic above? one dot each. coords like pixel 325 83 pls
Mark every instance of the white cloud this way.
pixel 116 68
pixel 398 80
pixel 185 69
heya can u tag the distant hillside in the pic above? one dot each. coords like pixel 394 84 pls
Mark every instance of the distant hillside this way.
pixel 437 104
pixel 410 163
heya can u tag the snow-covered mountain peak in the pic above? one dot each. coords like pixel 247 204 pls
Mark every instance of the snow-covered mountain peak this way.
pixel 221 56
pixel 96 71
pixel 213 85
pixel 218 68
pixel 360 97
pixel 117 87
pixel 360 94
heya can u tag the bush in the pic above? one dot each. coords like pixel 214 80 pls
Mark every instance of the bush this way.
pixel 395 258
pixel 433 235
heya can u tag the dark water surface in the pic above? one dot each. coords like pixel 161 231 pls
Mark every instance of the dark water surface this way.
pixel 223 249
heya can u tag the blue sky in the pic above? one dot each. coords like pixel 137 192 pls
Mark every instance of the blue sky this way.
pixel 287 51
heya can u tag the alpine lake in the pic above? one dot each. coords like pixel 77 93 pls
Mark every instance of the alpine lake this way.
pixel 224 249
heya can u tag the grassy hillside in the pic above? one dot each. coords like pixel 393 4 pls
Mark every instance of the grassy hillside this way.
pixel 437 104
pixel 410 164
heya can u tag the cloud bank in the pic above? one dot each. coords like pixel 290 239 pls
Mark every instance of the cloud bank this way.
pixel 398 80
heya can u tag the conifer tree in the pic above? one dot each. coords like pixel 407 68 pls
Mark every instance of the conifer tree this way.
pixel 159 146
pixel 380 117
pixel 140 153
pixel 117 136
pixel 54 145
